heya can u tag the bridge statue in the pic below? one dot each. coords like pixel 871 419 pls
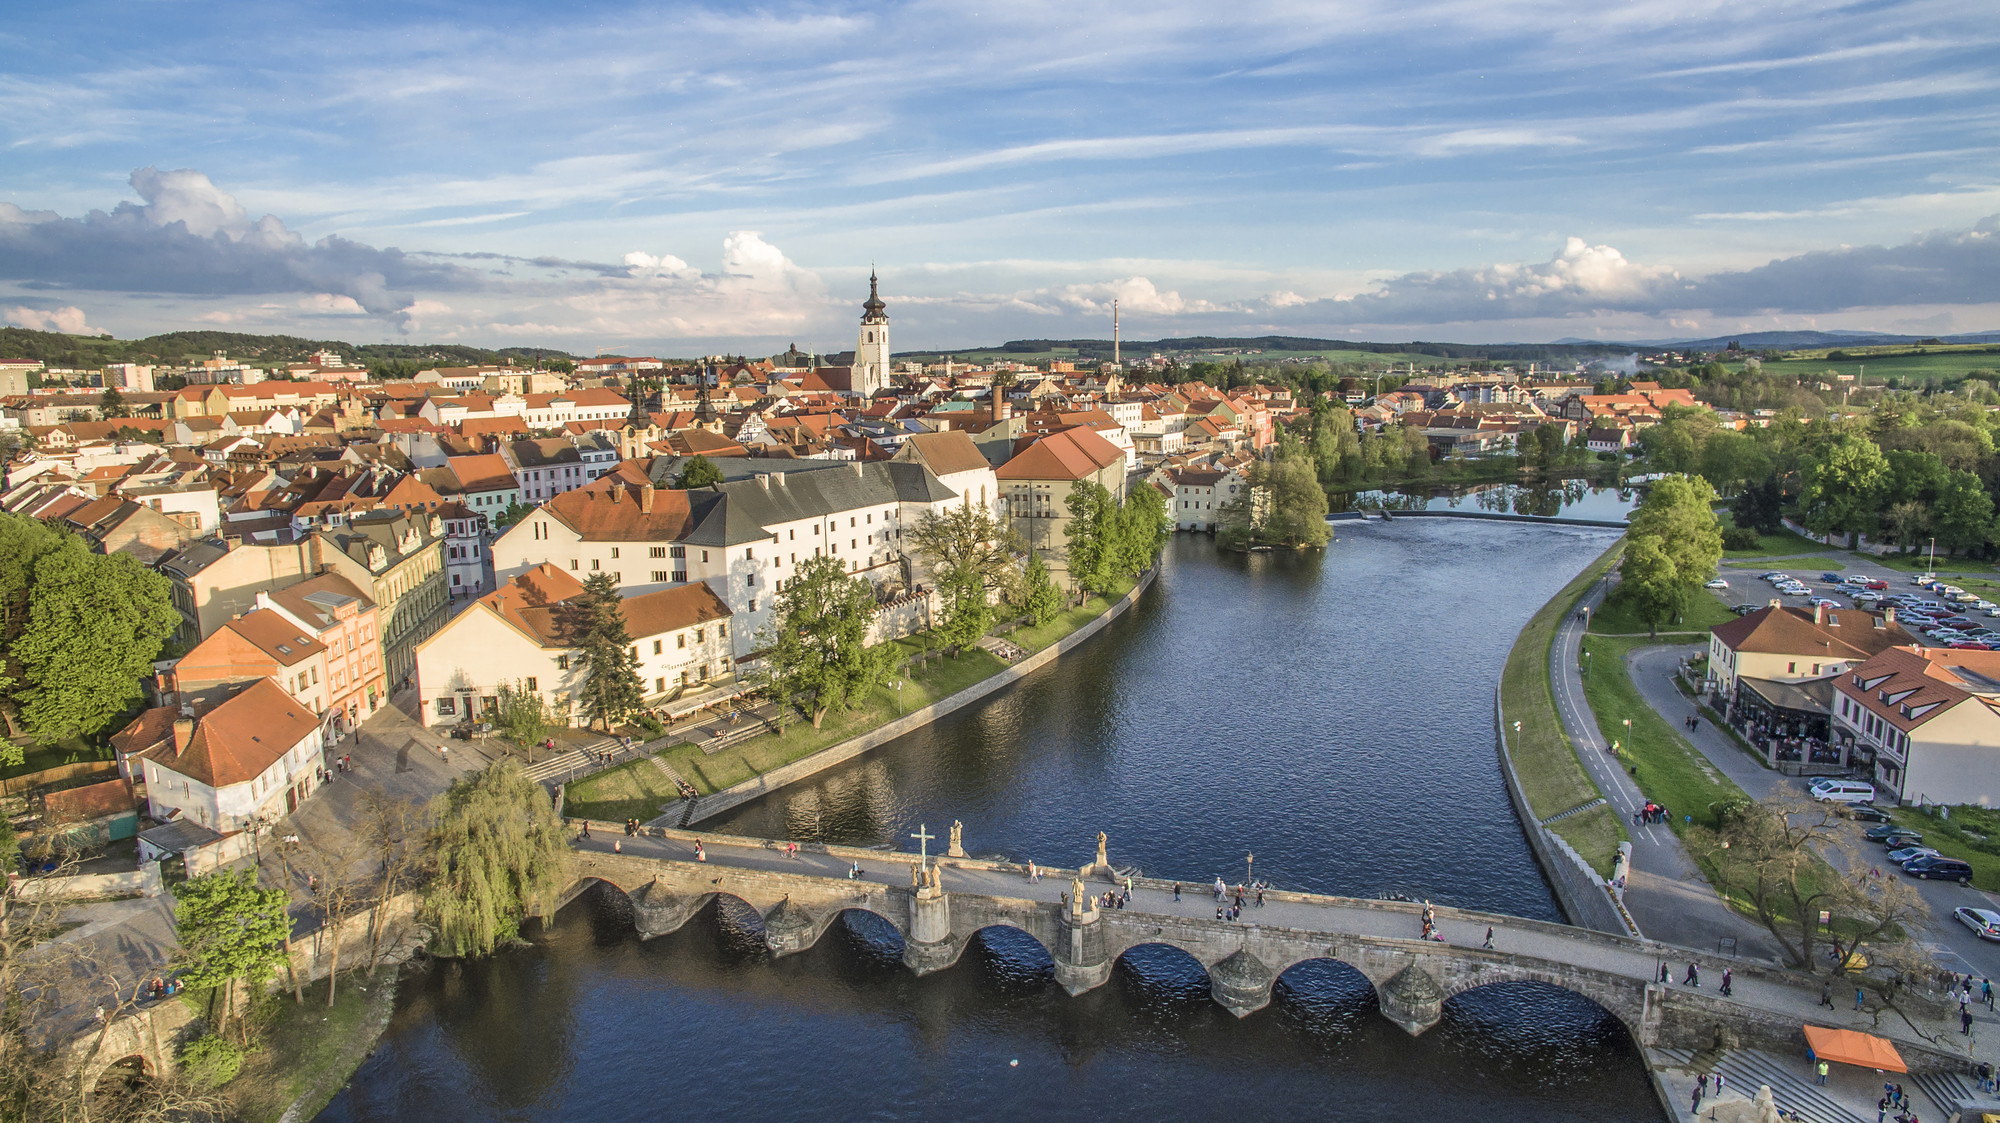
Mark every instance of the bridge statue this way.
pixel 1103 863
pixel 957 849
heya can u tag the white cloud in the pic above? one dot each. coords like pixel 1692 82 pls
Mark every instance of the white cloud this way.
pixel 69 320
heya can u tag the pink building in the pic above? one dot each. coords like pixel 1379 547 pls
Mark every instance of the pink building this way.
pixel 341 618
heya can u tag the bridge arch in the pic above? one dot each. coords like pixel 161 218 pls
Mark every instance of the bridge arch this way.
pixel 1613 999
pixel 1011 957
pixel 1326 992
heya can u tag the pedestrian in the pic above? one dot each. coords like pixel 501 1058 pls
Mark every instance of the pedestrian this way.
pixel 1826 995
pixel 1822 1073
pixel 1665 975
pixel 1701 1083
pixel 1695 1108
pixel 1488 945
pixel 1220 889
pixel 1858 996
pixel 1218 912
pixel 617 846
pixel 700 855
pixel 1720 1080
pixel 586 828
pixel 1693 976
pixel 1986 992
pixel 1965 1022
pixel 1260 896
pixel 1128 885
pixel 1727 975
pixel 1177 890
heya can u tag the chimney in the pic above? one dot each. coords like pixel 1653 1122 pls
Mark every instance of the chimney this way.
pixel 764 480
pixel 646 500
pixel 858 469
pixel 616 492
pixel 183 730
pixel 1888 616
pixel 1819 615
pixel 1776 603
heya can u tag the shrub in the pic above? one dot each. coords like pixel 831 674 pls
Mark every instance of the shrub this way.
pixel 211 1060
pixel 1740 538
pixel 650 725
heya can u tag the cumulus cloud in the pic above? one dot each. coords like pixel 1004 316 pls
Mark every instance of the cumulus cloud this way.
pixel 189 237
pixel 1949 267
pixel 1135 296
pixel 758 291
pixel 68 319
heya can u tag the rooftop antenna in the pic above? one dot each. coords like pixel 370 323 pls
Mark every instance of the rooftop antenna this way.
pixel 1114 333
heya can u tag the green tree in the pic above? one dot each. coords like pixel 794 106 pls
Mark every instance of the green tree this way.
pixel 1648 580
pixel 1090 538
pixel 1039 596
pixel 498 850
pixel 95 624
pixel 1760 506
pixel 111 404
pixel 698 471
pixel 522 716
pixel 1962 515
pixel 515 512
pixel 234 933
pixel 1842 484
pixel 969 553
pixel 594 622
pixel 821 652
pixel 1297 504
pixel 1677 519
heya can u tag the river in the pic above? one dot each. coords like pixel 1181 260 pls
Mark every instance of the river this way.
pixel 1330 713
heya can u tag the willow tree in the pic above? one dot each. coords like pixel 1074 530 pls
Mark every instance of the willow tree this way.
pixel 497 848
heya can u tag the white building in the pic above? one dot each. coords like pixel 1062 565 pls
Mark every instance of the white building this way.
pixel 515 636
pixel 1931 717
pixel 871 350
pixel 553 411
pixel 254 754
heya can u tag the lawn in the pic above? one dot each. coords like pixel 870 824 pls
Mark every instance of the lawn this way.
pixel 1782 544
pixel 1615 617
pixel 1552 778
pixel 307 1052
pixel 1948 568
pixel 637 789
pixel 1666 768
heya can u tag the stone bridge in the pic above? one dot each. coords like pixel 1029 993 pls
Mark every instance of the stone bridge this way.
pixel 939 907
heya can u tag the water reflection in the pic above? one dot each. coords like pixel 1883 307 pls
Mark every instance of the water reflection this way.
pixel 1572 498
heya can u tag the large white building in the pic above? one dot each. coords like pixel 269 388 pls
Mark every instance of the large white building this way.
pixel 516 636
pixel 1931 718
pixel 741 537
pixel 251 753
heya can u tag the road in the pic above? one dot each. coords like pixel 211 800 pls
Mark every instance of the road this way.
pixel 1652 669
pixel 1666 892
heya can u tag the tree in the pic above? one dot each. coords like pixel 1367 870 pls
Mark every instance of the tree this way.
pixel 1039 595
pixel 1144 525
pixel 594 622
pixel 1790 858
pixel 394 829
pixel 968 552
pixel 1962 515
pixel 821 651
pixel 339 888
pixel 95 624
pixel 1906 523
pixel 111 404
pixel 1089 544
pixel 1297 512
pixel 234 932
pixel 497 847
pixel 1760 506
pixel 967 612
pixel 698 471
pixel 522 716
pixel 1648 581
pixel 515 512
pixel 1841 484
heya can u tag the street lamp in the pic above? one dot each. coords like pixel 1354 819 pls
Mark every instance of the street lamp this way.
pixel 1586 666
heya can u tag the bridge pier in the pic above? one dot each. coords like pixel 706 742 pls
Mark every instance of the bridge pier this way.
pixel 789 929
pixel 1080 956
pixel 930 945
pixel 1241 984
pixel 1411 999
pixel 656 912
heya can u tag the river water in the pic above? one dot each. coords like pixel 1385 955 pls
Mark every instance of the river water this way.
pixel 1330 713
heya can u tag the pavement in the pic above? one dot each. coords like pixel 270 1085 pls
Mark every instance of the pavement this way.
pixel 1848 1096
pixel 1305 911
pixel 1665 892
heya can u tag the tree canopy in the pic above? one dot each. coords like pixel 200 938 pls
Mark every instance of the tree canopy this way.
pixel 971 555
pixel 94 625
pixel 1673 545
pixel 820 656
pixel 497 848
pixel 697 471
pixel 233 931
pixel 594 623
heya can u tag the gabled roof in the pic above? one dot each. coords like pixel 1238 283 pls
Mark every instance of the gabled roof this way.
pixel 1847 634
pixel 944 453
pixel 616 512
pixel 740 511
pixel 1069 455
pixel 234 741
pixel 315 599
pixel 488 472
pixel 533 603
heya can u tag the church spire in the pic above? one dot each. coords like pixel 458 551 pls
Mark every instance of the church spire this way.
pixel 872 308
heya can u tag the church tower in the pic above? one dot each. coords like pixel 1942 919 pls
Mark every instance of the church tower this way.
pixel 871 352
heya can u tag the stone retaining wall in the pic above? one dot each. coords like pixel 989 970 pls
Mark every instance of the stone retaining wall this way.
pixel 738 794
pixel 1583 895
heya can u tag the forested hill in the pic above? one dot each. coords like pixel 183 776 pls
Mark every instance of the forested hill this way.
pixel 88 352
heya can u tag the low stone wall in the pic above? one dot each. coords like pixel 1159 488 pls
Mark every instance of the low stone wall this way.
pixel 1502 516
pixel 738 794
pixel 144 881
pixel 1584 897
pixel 313 952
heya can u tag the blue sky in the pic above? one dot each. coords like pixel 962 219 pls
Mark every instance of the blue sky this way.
pixel 680 178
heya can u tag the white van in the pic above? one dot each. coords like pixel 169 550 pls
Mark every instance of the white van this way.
pixel 1843 791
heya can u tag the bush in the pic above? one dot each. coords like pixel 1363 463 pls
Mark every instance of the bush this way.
pixel 211 1060
pixel 650 725
pixel 1741 538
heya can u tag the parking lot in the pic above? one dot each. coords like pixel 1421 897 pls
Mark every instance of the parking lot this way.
pixel 1937 612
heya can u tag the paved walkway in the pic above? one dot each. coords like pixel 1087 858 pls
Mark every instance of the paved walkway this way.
pixel 1636 960
pixel 1666 892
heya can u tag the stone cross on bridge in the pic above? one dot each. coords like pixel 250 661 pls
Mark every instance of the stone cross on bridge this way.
pixel 939 911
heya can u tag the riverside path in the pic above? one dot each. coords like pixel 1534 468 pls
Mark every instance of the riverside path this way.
pixel 941 906
pixel 1665 892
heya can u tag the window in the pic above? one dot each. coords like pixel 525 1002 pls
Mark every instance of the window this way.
pixel 1791 668
pixel 792 535
pixel 871 518
pixel 562 662
pixel 662 576
pixel 531 684
pixel 446 708
pixel 659 645
pixel 315 675
pixel 700 634
pixel 678 551
pixel 749 554
pixel 753 608
pixel 659 686
pixel 595 564
pixel 704 557
pixel 681 641
pixel 704 672
pixel 572 563
pixel 657 552
pixel 815 528
pixel 722 630
pixel 614 553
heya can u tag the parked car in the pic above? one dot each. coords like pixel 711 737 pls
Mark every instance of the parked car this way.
pixel 1867 813
pixel 1718 583
pixel 1923 578
pixel 1908 853
pixel 1900 839
pixel 1877 583
pixel 1829 576
pixel 1825 602
pixel 1986 922
pixel 1745 609
pixel 1877 834
pixel 1938 868
pixel 1828 789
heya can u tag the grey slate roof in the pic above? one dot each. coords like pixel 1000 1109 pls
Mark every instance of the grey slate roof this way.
pixel 739 511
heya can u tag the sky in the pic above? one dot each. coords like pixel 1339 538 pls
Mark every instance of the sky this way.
pixel 683 179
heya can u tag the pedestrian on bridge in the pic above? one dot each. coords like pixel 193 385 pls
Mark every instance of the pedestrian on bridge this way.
pixel 1965 1022
pixel 1177 890
pixel 1727 975
pixel 1488 945
pixel 1986 992
pixel 1693 976
pixel 700 855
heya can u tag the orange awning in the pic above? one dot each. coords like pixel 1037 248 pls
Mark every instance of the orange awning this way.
pixel 1852 1048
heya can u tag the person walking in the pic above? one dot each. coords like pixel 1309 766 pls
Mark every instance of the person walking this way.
pixel 1177 890
pixel 1826 995
pixel 1488 945
pixel 1821 1077
pixel 700 855
pixel 1260 896
pixel 1695 1107
pixel 1965 1023
pixel 1727 975
pixel 1986 992
pixel 1693 976
pixel 1859 994
pixel 1720 1080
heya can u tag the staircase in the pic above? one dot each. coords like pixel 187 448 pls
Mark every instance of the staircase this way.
pixel 1791 1085
pixel 559 765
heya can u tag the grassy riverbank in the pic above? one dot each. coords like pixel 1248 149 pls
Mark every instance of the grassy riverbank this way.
pixel 636 790
pixel 306 1053
pixel 1668 769
pixel 1552 778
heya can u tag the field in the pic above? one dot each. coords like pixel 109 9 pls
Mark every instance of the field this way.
pixel 1942 363
pixel 1616 618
